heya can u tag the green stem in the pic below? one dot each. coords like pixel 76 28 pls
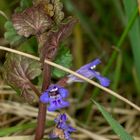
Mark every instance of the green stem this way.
pixel 112 59
pixel 22 127
pixel 119 11
pixel 10 130
pixel 121 40
pixel 117 75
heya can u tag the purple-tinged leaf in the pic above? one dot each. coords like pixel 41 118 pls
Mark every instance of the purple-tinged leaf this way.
pixel 65 29
pixel 19 71
pixel 32 21
pixel 55 37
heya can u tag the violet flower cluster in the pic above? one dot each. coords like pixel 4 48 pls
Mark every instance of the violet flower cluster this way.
pixel 55 96
pixel 89 72
pixel 63 130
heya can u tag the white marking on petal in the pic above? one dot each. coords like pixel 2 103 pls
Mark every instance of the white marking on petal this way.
pixel 93 67
pixel 54 89
pixel 54 96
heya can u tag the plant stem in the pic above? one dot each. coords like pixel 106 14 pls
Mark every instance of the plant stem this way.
pixel 41 121
pixel 122 38
pixel 43 107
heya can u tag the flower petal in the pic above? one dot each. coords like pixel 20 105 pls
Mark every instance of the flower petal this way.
pixel 53 136
pixel 104 81
pixel 85 70
pixel 52 107
pixel 62 125
pixel 67 135
pixel 44 98
pixel 53 87
pixel 63 117
pixel 87 66
pixel 71 129
pixel 63 103
pixel 63 92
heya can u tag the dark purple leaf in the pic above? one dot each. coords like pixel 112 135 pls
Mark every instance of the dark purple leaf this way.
pixel 55 37
pixel 31 21
pixel 65 29
pixel 19 71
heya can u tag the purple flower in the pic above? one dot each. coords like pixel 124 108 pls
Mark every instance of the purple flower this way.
pixel 88 71
pixel 62 130
pixel 60 118
pixel 54 95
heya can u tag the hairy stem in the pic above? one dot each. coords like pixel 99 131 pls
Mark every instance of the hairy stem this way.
pixel 42 107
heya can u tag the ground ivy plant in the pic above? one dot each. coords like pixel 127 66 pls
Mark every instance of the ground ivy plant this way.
pixel 44 20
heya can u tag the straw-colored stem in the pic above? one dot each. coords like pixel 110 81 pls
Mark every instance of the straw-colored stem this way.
pixel 74 73
pixel 3 14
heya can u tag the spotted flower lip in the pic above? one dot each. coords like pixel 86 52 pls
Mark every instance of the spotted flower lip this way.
pixel 55 96
pixel 88 71
pixel 62 128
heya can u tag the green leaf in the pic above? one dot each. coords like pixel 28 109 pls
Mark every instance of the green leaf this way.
pixel 63 58
pixel 134 34
pixel 118 129
pixel 10 35
pixel 29 46
pixel 19 71
pixel 25 4
pixel 20 128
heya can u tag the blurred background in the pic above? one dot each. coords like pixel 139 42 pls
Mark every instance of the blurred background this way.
pixel 107 29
